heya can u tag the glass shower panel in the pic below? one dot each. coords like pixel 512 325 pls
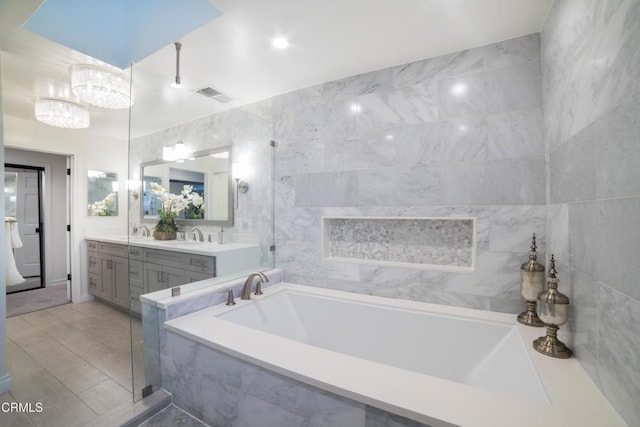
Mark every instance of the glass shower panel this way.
pixel 165 122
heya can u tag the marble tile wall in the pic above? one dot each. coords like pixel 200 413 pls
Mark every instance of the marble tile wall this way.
pixel 223 391
pixel 591 88
pixel 457 135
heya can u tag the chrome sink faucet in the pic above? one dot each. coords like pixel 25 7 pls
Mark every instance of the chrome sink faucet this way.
pixel 246 289
pixel 144 230
pixel 197 234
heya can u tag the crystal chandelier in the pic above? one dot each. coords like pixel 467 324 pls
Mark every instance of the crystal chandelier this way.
pixel 100 86
pixel 61 113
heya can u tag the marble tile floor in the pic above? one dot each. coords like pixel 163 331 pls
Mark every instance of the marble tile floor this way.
pixel 174 417
pixel 74 359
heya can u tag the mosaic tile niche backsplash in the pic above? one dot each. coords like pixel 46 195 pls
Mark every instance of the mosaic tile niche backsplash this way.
pixel 430 243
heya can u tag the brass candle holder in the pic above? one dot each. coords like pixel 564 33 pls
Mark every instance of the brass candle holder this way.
pixel 531 284
pixel 553 309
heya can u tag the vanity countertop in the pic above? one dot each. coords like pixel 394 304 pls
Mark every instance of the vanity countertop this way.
pixel 187 246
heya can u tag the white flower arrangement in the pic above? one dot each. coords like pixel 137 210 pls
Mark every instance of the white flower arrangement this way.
pixel 172 204
pixel 103 207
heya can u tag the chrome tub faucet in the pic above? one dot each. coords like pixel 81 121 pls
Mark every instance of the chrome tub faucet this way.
pixel 246 289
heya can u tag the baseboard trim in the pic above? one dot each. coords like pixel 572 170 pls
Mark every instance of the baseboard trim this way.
pixel 85 298
pixel 59 282
pixel 5 383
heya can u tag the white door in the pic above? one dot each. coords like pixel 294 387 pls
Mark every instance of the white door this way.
pixel 28 215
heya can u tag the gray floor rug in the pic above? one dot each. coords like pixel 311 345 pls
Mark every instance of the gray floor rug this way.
pixel 36 299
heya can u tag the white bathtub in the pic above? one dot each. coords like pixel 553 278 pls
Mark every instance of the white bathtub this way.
pixel 435 364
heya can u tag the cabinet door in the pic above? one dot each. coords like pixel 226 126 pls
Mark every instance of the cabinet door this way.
pixel 152 277
pixel 173 277
pixel 105 284
pixel 120 269
pixel 94 282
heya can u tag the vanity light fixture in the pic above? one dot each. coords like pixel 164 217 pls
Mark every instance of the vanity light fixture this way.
pixel 175 152
pixel 178 81
pixel 242 187
pixel 101 86
pixel 62 113
pixel 240 173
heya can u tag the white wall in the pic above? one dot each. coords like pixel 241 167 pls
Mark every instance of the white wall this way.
pixel 88 152
pixel 54 208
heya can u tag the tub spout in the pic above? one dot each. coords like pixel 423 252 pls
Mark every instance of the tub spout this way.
pixel 246 289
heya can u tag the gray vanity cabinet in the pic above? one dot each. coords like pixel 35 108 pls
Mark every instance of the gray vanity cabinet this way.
pixel 159 277
pixel 109 272
pixel 166 269
pixel 120 274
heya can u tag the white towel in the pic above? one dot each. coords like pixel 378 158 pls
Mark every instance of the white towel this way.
pixel 12 275
pixel 15 236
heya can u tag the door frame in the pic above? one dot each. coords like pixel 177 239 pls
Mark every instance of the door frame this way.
pixel 42 230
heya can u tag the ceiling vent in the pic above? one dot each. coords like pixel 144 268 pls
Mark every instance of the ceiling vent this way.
pixel 212 93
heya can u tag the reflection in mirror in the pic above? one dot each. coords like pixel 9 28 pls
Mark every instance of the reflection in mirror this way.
pixel 10 191
pixel 102 193
pixel 204 177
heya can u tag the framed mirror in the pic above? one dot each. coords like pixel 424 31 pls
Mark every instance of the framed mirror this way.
pixel 204 178
pixel 102 193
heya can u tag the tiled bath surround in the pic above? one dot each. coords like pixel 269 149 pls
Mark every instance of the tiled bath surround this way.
pixel 454 136
pixel 429 243
pixel 225 391
pixel 592 122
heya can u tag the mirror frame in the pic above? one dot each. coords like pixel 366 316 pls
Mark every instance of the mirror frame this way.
pixel 194 222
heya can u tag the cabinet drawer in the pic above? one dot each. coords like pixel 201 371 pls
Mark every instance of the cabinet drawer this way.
pixel 201 264
pixel 135 270
pixel 113 249
pixel 161 257
pixel 135 252
pixel 93 262
pixel 194 276
pixel 92 245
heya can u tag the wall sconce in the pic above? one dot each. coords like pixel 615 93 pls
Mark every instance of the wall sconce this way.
pixel 241 187
pixel 240 172
pixel 132 186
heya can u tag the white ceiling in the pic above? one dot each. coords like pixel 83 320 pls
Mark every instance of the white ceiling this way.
pixel 329 40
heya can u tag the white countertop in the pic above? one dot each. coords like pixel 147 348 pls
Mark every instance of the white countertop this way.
pixel 187 246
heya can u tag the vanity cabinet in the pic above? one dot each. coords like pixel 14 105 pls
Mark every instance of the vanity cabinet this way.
pixel 120 274
pixel 166 269
pixel 108 272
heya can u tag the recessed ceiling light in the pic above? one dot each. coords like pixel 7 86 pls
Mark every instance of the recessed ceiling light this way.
pixel 280 43
pixel 459 89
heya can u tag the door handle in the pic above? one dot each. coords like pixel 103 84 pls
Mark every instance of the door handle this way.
pixel 37 229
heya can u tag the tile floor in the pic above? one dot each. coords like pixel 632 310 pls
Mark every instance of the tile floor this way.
pixel 75 359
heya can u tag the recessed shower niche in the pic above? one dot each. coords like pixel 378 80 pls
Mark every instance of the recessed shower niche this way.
pixel 440 244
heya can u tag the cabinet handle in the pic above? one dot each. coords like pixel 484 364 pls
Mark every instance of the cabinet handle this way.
pixel 197 263
pixel 159 276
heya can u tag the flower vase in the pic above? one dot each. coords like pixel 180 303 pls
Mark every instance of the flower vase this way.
pixel 163 235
